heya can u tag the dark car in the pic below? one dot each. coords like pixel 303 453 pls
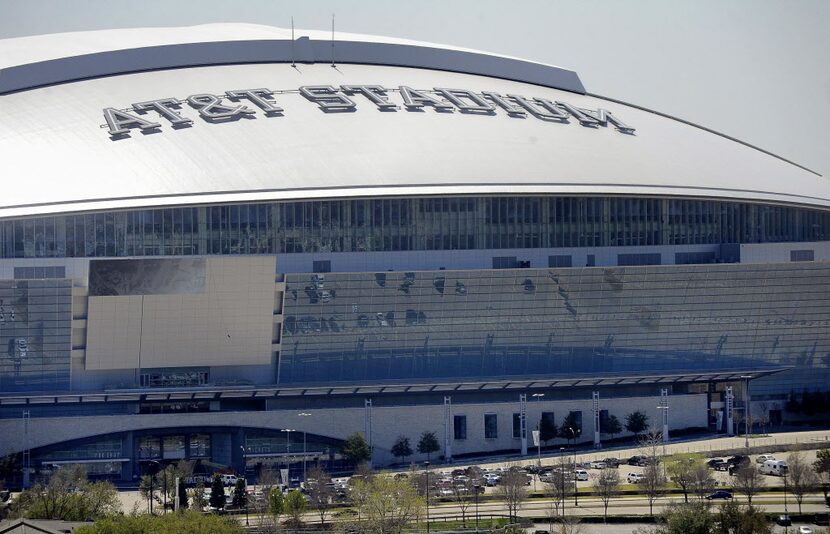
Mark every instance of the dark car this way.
pixel 783 520
pixel 720 494
pixel 612 462
pixel 739 460
pixel 635 460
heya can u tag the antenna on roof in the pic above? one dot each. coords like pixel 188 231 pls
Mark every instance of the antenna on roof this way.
pixel 332 39
pixel 292 43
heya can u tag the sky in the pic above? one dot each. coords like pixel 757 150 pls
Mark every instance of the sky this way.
pixel 756 70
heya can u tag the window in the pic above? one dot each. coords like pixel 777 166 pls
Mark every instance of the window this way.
pixel 560 261
pixel 491 426
pixel 638 259
pixel 505 262
pixel 517 425
pixel 322 266
pixel 802 255
pixel 686 258
pixel 591 261
pixel 459 426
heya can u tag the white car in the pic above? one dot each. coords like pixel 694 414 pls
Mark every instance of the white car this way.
pixel 805 530
pixel 763 458
pixel 635 478
pixel 580 474
pixel 598 465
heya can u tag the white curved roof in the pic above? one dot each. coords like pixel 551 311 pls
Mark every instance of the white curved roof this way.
pixel 56 156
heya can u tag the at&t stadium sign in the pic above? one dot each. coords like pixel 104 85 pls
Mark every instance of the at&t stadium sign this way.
pixel 232 105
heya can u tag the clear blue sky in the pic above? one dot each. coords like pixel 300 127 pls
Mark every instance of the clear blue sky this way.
pixel 758 70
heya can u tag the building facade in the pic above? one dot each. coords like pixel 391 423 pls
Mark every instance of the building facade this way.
pixel 223 244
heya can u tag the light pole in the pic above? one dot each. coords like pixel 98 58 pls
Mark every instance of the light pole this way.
pixel 786 512
pixel 426 468
pixel 746 378
pixel 288 432
pixel 476 487
pixel 245 478
pixel 305 450
pixel 538 397
pixel 576 488
pixel 158 465
pixel 562 478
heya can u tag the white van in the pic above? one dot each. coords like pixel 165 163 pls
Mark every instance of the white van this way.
pixel 774 467
pixel 229 480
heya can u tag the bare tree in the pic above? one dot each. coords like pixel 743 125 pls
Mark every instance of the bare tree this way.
pixel 319 491
pixel 607 486
pixel 681 468
pixel 558 486
pixel 748 481
pixel 390 505
pixel 703 483
pixel 803 479
pixel 463 494
pixel 513 490
pixel 654 480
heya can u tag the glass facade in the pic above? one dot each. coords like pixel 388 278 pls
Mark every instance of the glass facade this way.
pixel 35 334
pixel 446 223
pixel 493 323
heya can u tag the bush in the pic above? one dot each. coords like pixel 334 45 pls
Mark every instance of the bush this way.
pixel 188 521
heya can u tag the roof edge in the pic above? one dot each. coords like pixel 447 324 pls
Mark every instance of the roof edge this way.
pixel 301 50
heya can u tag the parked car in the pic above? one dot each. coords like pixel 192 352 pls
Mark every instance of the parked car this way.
pixel 580 474
pixel 612 462
pixel 635 460
pixel 739 460
pixel 229 480
pixel 598 465
pixel 783 520
pixel 763 458
pixel 804 529
pixel 720 494
pixel 635 478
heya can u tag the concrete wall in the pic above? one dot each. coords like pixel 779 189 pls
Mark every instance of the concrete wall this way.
pixel 387 422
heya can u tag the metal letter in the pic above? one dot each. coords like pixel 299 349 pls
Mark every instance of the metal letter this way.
pixel 120 122
pixel 540 108
pixel 456 96
pixel 375 93
pixel 258 97
pixel 211 108
pixel 584 120
pixel 603 116
pixel 164 107
pixel 414 99
pixel 328 98
pixel 503 103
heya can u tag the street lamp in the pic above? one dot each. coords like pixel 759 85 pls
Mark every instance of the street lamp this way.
pixel 786 512
pixel 538 397
pixel 158 464
pixel 576 488
pixel 746 378
pixel 562 479
pixel 245 478
pixel 476 488
pixel 426 468
pixel 304 414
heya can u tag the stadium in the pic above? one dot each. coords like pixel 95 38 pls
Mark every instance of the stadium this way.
pixel 240 244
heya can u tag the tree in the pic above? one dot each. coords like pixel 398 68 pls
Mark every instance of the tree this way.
pixel 681 469
pixel 686 518
pixel 319 491
pixel 802 477
pixel 463 494
pixel 295 505
pixel 570 428
pixel 401 448
pixel 558 486
pixel 822 468
pixel 653 478
pixel 276 502
pixel 606 487
pixel 428 444
pixel 732 518
pixel 512 489
pixel 199 499
pixel 703 483
pixel 217 493
pixel 240 498
pixel 188 521
pixel 547 429
pixel 356 449
pixel 636 423
pixel 748 481
pixel 612 426
pixel 182 495
pixel 147 489
pixel 69 496
pixel 388 505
